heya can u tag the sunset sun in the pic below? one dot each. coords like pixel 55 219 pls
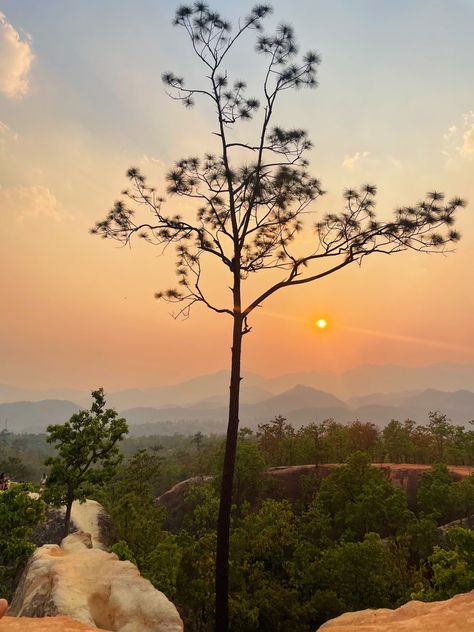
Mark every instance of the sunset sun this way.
pixel 321 323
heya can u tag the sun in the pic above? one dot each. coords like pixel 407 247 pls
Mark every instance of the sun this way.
pixel 321 323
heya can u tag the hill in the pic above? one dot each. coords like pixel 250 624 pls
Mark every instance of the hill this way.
pixel 300 405
pixel 35 416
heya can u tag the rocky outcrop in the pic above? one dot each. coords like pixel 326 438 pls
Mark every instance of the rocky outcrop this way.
pixel 92 587
pixel 174 500
pixel 88 516
pixel 287 481
pixel 293 482
pixel 50 530
pixel 408 475
pixel 48 624
pixel 453 615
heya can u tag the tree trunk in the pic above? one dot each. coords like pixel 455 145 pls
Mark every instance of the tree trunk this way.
pixel 223 526
pixel 67 519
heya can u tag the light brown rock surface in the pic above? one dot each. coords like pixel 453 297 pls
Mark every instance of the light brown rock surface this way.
pixel 48 624
pixel 174 500
pixel 287 480
pixel 88 516
pixel 93 587
pixel 452 615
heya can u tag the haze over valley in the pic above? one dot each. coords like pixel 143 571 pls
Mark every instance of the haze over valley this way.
pixel 368 393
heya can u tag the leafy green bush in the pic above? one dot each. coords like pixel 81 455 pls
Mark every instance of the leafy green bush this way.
pixel 19 513
pixel 452 567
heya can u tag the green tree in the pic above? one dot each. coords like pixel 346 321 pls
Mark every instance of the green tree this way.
pixel 19 513
pixel 247 205
pixel 423 535
pixel 138 526
pixel 250 480
pixel 441 431
pixel 434 495
pixel 452 567
pixel 311 444
pixel 15 467
pixel 463 498
pixel 423 445
pixel 337 441
pixel 263 594
pixel 398 441
pixel 203 506
pixel 364 437
pixel 139 475
pixel 196 578
pixel 87 453
pixel 123 551
pixel 276 439
pixel 199 441
pixel 359 499
pixel 363 574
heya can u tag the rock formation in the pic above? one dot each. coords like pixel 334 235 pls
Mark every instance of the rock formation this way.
pixel 453 615
pixel 92 587
pixel 287 480
pixel 174 500
pixel 290 482
pixel 88 516
pixel 48 624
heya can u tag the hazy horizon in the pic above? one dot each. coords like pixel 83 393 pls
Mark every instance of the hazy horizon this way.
pixel 245 374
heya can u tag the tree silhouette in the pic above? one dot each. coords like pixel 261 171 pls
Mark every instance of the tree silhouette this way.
pixel 252 198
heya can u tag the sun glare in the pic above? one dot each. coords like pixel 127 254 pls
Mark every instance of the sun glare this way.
pixel 321 323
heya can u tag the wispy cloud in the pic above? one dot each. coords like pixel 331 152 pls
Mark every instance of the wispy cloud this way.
pixel 468 136
pixel 459 139
pixel 23 202
pixel 16 57
pixel 451 131
pixel 6 134
pixel 351 161
pixel 151 160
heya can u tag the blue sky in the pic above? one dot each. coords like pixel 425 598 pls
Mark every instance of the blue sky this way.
pixel 392 72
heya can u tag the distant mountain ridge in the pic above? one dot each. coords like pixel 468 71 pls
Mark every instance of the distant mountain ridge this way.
pixel 369 392
pixel 300 405
pixel 35 416
pixel 355 383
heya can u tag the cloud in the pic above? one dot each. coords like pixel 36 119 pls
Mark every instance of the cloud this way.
pixel 459 139
pixel 151 160
pixel 450 132
pixel 6 134
pixel 350 161
pixel 468 144
pixel 16 57
pixel 25 202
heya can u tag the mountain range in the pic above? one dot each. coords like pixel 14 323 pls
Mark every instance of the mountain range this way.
pixel 369 393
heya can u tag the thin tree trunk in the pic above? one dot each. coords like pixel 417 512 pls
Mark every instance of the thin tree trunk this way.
pixel 223 527
pixel 67 519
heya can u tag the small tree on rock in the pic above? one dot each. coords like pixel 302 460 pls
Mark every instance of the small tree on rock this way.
pixel 248 200
pixel 87 453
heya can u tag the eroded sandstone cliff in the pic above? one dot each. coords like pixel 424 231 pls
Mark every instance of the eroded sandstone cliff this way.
pixel 452 615
pixel 92 587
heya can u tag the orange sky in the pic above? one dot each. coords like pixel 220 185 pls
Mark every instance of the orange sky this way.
pixel 77 311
